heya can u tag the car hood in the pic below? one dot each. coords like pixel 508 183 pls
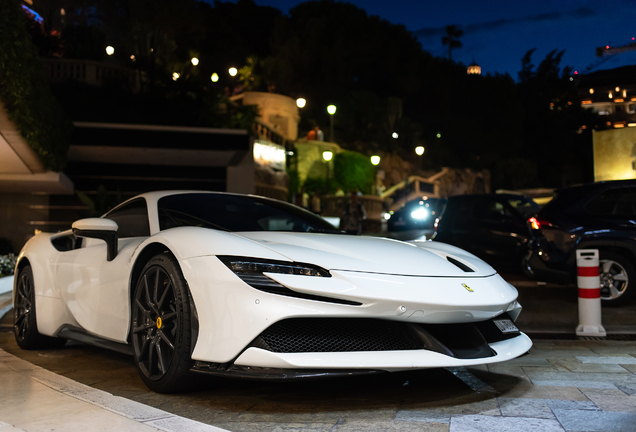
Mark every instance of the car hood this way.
pixel 372 254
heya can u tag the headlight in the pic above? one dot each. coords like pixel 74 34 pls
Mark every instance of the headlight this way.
pixel 251 270
pixel 420 214
pixel 254 265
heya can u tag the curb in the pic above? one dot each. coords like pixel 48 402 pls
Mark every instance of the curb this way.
pixel 143 414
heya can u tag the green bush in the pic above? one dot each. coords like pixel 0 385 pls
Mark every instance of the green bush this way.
pixel 25 91
pixel 7 264
pixel 353 170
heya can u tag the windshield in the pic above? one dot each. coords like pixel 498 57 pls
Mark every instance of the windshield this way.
pixel 526 207
pixel 237 213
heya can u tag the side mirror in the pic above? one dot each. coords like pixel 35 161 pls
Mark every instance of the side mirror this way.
pixel 99 228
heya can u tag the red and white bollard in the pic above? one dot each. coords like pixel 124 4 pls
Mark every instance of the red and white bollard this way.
pixel 589 283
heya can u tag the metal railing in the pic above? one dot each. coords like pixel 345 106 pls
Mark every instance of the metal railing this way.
pixel 93 72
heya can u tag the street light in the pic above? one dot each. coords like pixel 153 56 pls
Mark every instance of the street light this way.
pixel 301 102
pixel 395 135
pixel 331 109
pixel 375 159
pixel 214 77
pixel 195 61
pixel 327 155
pixel 419 150
pixel 233 71
pixel 110 50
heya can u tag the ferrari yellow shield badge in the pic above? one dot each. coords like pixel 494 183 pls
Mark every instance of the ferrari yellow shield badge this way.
pixel 468 288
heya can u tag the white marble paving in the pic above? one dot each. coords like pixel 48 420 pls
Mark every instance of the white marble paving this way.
pixel 479 423
pixel 34 399
pixel 615 360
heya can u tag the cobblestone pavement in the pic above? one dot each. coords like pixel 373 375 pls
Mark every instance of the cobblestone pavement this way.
pixel 583 385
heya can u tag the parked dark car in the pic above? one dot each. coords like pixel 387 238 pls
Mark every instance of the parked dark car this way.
pixel 594 216
pixel 493 227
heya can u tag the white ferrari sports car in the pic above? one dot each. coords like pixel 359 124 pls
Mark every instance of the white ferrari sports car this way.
pixel 201 282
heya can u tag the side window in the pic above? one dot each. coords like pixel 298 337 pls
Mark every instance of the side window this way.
pixel 492 211
pixel 619 202
pixel 132 219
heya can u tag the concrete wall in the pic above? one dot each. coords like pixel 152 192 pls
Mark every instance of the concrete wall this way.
pixel 278 112
pixel 21 215
pixel 615 154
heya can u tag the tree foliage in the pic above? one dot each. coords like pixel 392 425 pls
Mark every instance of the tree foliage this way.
pixel 353 170
pixel 25 92
pixel 328 52
pixel 452 39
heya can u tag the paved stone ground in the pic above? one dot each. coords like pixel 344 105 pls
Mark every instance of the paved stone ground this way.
pixel 559 386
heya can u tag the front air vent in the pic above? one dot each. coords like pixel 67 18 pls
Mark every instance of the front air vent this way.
pixel 459 264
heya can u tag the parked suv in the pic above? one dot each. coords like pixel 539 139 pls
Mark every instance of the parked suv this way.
pixel 493 227
pixel 594 216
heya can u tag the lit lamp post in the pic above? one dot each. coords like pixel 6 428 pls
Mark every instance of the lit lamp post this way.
pixel 375 160
pixel 301 102
pixel 419 150
pixel 331 109
pixel 327 155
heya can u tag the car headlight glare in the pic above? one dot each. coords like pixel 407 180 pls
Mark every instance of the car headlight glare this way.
pixel 420 214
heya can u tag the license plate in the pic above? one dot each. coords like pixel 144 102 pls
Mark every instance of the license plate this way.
pixel 506 326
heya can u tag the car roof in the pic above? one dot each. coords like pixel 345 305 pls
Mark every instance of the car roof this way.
pixel 607 184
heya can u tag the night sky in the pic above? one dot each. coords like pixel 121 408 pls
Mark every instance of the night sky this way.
pixel 497 33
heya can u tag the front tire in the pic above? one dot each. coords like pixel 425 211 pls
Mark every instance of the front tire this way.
pixel 161 326
pixel 25 326
pixel 618 279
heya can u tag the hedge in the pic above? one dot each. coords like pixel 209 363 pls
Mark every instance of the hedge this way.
pixel 25 91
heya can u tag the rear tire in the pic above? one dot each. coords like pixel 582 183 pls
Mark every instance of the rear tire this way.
pixel 618 279
pixel 25 327
pixel 161 326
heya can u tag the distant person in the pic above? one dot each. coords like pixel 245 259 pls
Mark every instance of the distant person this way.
pixel 298 199
pixel 352 216
pixel 459 186
pixel 311 135
pixel 320 136
pixel 315 203
pixel 305 199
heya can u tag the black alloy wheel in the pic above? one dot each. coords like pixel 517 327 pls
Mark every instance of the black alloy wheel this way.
pixel 160 326
pixel 25 326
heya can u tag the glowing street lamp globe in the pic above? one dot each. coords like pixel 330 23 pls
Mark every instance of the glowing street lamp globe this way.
pixel 327 155
pixel 110 50
pixel 195 61
pixel 375 159
pixel 419 150
pixel 233 71
pixel 331 109
pixel 214 77
pixel 301 102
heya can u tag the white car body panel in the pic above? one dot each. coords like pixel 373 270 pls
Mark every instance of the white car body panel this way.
pixel 96 291
pixel 395 281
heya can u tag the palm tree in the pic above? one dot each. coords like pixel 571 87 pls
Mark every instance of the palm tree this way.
pixel 452 38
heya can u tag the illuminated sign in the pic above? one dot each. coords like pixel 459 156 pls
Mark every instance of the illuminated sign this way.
pixel 269 154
